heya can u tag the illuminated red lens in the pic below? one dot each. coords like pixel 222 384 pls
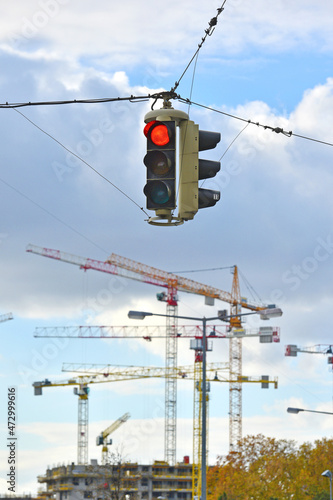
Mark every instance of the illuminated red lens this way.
pixel 158 133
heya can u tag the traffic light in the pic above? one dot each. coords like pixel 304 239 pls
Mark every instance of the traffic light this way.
pixel 160 161
pixel 192 169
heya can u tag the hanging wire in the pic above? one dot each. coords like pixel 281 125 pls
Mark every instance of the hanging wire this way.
pixel 53 216
pixel 208 32
pixel 234 140
pixel 225 152
pixel 250 288
pixel 188 112
pixel 82 160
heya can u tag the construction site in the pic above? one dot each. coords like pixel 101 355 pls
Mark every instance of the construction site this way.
pixel 126 480
pixel 167 478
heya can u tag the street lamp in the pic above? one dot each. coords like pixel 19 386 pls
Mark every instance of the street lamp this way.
pixel 297 410
pixel 328 474
pixel 272 312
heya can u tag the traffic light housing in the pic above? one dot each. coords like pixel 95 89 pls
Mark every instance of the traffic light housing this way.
pixel 160 161
pixel 192 169
pixel 208 168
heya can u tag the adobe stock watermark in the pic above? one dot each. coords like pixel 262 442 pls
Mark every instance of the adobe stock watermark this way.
pixel 31 26
pixel 137 437
pixel 105 296
pixel 40 358
pixel 297 274
pixel 246 152
pixel 93 138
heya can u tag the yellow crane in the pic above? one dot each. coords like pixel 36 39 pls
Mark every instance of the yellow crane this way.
pixel 110 373
pixel 149 333
pixel 102 439
pixel 216 374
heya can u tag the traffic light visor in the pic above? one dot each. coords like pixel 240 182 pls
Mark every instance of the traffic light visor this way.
pixel 158 133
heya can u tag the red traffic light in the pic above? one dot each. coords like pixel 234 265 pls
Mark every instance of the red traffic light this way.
pixel 160 161
pixel 158 133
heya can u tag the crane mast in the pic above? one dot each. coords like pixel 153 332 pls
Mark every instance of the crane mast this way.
pixel 171 344
pixel 82 392
pixel 235 363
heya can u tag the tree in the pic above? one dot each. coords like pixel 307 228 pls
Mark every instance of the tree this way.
pixel 270 469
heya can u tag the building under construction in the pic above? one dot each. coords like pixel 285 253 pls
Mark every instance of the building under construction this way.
pixel 128 481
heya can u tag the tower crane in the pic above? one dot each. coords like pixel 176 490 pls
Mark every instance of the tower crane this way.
pixel 150 332
pixel 102 439
pixel 292 350
pixel 121 266
pixel 196 374
pixel 108 373
pixel 266 334
pixel 81 384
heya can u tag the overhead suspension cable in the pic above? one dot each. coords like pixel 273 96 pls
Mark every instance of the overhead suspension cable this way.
pixel 208 32
pixel 76 101
pixel 162 95
pixel 277 130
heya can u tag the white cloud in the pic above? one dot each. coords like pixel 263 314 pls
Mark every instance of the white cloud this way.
pixel 132 36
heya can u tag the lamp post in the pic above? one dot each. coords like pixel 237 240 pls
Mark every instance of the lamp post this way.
pixel 328 474
pixel 264 314
pixel 297 410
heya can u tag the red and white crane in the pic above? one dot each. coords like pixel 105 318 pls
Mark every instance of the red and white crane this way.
pixel 291 350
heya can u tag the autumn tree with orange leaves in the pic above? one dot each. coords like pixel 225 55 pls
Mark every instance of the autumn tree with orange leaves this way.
pixel 270 469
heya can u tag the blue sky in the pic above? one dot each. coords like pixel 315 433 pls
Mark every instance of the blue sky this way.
pixel 270 63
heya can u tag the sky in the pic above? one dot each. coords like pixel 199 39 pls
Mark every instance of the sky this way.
pixel 267 62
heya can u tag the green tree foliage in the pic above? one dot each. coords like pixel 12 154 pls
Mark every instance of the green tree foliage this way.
pixel 270 469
